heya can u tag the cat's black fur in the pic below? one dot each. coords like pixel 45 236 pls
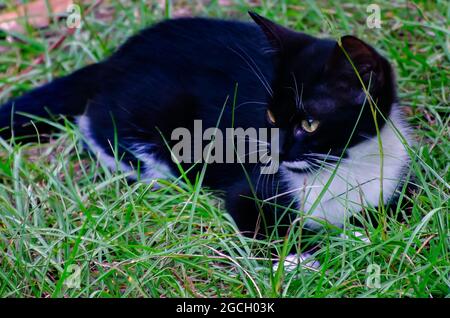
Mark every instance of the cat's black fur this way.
pixel 185 69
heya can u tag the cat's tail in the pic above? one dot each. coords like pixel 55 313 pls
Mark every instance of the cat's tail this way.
pixel 65 96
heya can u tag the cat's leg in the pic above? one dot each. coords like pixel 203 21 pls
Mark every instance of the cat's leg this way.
pixel 263 222
pixel 253 215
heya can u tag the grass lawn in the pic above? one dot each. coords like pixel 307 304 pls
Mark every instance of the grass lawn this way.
pixel 69 227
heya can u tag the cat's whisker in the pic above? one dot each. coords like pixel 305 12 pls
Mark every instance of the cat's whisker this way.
pixel 342 172
pixel 257 68
pixel 253 152
pixel 269 50
pixel 124 109
pixel 297 97
pixel 269 184
pixel 246 103
pixel 336 159
pixel 253 139
pixel 259 177
pixel 273 180
pixel 324 156
pixel 245 137
pixel 365 136
pixel 302 106
pixel 292 191
pixel 259 76
pixel 329 167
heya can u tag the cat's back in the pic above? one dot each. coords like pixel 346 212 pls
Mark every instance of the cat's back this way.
pixel 196 32
pixel 197 29
pixel 194 40
pixel 198 57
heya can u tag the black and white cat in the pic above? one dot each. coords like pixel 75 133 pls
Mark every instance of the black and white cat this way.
pixel 260 75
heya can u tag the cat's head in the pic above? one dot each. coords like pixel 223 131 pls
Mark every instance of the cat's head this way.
pixel 318 95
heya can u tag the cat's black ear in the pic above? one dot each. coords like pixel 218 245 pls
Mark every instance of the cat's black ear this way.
pixel 368 63
pixel 281 38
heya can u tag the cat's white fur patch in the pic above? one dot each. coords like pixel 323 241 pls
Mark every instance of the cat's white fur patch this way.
pixel 293 261
pixel 151 168
pixel 84 125
pixel 357 178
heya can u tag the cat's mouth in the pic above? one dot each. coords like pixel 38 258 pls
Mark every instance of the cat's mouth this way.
pixel 298 166
pixel 312 162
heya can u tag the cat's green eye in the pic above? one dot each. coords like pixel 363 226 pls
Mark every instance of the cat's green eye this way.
pixel 310 125
pixel 270 117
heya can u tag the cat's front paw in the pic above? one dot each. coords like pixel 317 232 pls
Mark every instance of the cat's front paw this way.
pixel 293 261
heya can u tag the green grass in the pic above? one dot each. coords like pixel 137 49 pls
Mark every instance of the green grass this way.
pixel 59 207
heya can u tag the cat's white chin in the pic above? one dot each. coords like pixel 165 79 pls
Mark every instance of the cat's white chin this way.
pixel 296 165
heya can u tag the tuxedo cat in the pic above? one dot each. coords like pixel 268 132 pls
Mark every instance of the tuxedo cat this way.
pixel 335 108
